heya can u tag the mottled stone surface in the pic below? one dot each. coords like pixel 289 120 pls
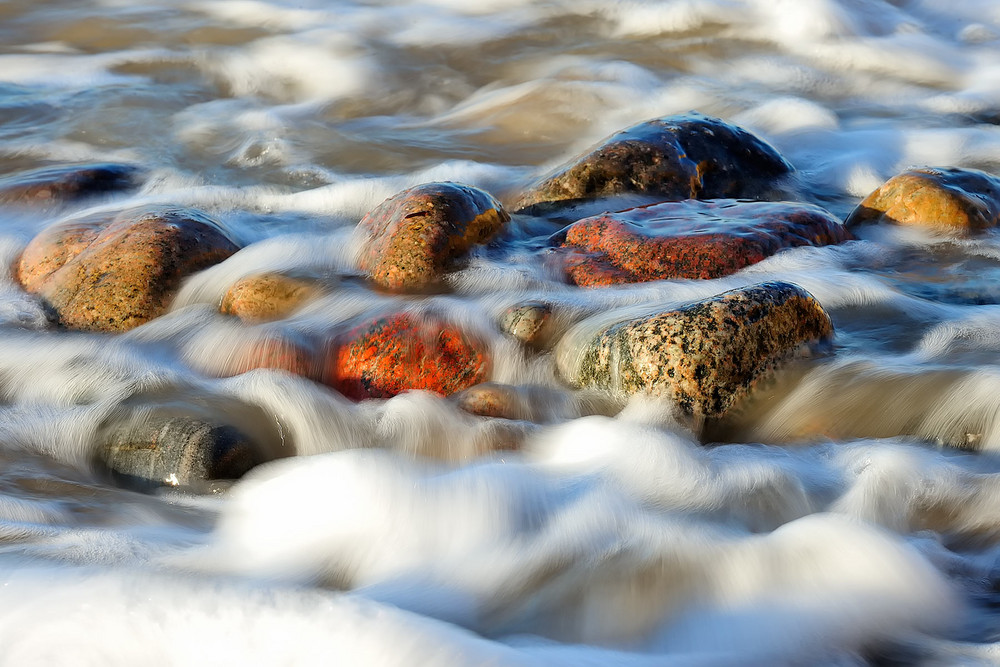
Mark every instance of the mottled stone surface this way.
pixel 947 199
pixel 527 322
pixel 102 275
pixel 690 156
pixel 412 239
pixel 267 296
pixel 67 183
pixel 691 239
pixel 392 354
pixel 704 356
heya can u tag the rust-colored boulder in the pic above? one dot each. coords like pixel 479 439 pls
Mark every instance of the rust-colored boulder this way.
pixel 411 239
pixel 947 199
pixel 705 356
pixel 689 156
pixel 67 183
pixel 266 297
pixel 389 355
pixel 691 239
pixel 113 275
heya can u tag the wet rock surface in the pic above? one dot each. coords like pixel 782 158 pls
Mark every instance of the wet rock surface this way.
pixel 266 297
pixel 274 351
pixel 704 356
pixel 412 239
pixel 946 199
pixel 528 322
pixel 691 239
pixel 68 183
pixel 689 156
pixel 113 275
pixel 395 353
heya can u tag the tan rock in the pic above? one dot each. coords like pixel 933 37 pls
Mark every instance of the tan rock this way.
pixel 267 297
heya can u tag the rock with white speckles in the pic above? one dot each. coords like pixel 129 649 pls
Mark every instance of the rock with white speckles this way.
pixel 705 356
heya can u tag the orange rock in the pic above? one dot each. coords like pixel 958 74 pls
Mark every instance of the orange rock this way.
pixel 267 296
pixel 947 199
pixel 412 238
pixel 392 354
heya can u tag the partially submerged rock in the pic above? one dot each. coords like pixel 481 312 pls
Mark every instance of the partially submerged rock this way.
pixel 947 199
pixel 392 354
pixel 67 183
pixel 527 322
pixel 265 297
pixel 691 239
pixel 412 239
pixel 113 275
pixel 704 356
pixel 688 156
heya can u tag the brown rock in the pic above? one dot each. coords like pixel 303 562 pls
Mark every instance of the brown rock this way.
pixel 100 275
pixel 274 352
pixel 491 399
pixel 412 238
pixel 392 354
pixel 527 322
pixel 691 239
pixel 704 356
pixel 947 199
pixel 267 296
pixel 689 156
pixel 67 183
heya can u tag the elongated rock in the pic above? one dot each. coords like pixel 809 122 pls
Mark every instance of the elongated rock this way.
pixel 691 239
pixel 704 356
pixel 101 275
pixel 689 156
pixel 267 296
pixel 67 183
pixel 411 239
pixel 947 199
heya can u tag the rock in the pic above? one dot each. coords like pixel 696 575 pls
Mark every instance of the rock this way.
pixel 691 239
pixel 186 443
pixel 411 239
pixel 491 399
pixel 67 183
pixel 100 275
pixel 267 296
pixel 704 356
pixel 274 351
pixel 392 354
pixel 527 322
pixel 946 199
pixel 689 156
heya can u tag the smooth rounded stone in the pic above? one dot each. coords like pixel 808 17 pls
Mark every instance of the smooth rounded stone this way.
pixel 101 275
pixel 704 356
pixel 947 199
pixel 274 352
pixel 399 352
pixel 412 239
pixel 189 443
pixel 689 156
pixel 691 239
pixel 266 297
pixel 527 322
pixel 67 183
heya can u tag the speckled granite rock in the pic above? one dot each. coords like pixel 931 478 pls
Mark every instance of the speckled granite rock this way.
pixel 67 183
pixel 101 275
pixel 691 239
pixel 392 354
pixel 411 239
pixel 267 296
pixel 527 322
pixel 689 156
pixel 704 356
pixel 947 199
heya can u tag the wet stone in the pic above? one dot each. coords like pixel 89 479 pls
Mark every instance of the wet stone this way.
pixel 946 199
pixel 396 353
pixel 704 356
pixel 689 156
pixel 267 297
pixel 691 239
pixel 113 275
pixel 527 322
pixel 67 183
pixel 491 399
pixel 273 352
pixel 413 238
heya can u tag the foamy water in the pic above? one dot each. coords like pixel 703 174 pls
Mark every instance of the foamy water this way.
pixel 852 516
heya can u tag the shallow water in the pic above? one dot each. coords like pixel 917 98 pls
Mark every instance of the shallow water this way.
pixel 851 517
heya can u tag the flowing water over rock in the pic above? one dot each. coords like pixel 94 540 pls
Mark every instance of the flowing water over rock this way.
pixel 269 455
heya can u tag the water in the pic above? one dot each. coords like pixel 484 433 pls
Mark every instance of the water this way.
pixel 851 519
